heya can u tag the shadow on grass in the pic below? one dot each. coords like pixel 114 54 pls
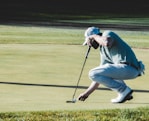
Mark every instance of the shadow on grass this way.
pixel 63 86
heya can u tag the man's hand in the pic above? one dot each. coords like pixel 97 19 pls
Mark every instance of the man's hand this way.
pixel 91 42
pixel 90 89
pixel 101 40
pixel 94 44
pixel 82 97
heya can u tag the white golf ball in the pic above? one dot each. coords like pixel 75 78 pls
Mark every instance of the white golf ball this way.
pixel 74 100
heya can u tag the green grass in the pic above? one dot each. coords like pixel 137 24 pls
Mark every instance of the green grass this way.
pixel 38 77
pixel 36 35
pixel 38 66
pixel 15 34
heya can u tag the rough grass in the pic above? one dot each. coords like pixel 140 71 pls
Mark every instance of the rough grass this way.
pixel 138 114
pixel 111 20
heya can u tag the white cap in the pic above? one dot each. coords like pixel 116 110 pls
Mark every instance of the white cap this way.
pixel 90 31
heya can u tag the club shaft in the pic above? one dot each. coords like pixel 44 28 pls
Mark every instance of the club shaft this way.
pixel 81 72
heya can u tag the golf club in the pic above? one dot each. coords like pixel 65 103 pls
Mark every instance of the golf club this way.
pixel 73 97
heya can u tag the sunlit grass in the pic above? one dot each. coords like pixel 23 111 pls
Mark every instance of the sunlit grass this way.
pixel 138 114
pixel 12 34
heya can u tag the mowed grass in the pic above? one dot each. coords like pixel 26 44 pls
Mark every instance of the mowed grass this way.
pixel 14 34
pixel 21 34
pixel 40 76
pixel 39 69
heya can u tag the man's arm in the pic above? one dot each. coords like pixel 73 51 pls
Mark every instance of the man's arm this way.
pixel 91 88
pixel 102 40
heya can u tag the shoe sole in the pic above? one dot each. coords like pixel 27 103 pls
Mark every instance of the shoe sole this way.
pixel 127 97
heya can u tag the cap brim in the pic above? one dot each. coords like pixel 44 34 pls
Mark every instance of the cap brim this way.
pixel 85 42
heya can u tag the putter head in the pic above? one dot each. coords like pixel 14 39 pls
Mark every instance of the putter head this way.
pixel 71 101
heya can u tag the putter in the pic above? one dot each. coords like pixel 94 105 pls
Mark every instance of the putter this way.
pixel 73 97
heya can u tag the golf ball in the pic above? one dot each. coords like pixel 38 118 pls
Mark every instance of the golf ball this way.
pixel 74 100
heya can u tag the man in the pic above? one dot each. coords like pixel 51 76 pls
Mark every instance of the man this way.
pixel 118 63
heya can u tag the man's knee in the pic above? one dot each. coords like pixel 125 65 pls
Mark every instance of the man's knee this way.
pixel 96 72
pixel 93 74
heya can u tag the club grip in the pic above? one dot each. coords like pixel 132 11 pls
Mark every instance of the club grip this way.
pixel 89 48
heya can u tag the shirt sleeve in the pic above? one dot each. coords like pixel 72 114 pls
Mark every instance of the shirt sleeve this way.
pixel 109 38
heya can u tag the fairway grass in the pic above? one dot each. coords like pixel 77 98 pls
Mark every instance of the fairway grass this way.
pixel 41 77
pixel 29 34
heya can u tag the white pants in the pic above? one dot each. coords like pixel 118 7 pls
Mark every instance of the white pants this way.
pixel 112 75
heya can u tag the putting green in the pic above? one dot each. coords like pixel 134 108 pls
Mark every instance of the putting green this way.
pixel 37 77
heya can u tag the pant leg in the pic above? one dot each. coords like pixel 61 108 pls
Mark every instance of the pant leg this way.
pixel 112 75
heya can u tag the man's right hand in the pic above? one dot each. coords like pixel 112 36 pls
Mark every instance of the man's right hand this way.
pixel 94 44
pixel 82 97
